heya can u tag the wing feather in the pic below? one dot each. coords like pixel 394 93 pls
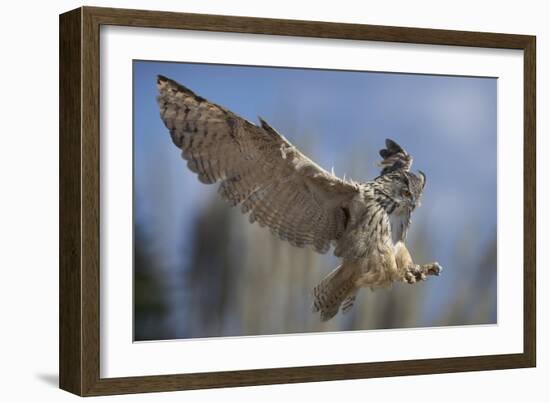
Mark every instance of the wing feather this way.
pixel 257 168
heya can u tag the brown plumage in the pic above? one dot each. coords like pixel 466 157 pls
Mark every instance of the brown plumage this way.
pixel 301 203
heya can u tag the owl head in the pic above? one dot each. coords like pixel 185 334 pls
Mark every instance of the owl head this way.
pixel 404 187
pixel 412 186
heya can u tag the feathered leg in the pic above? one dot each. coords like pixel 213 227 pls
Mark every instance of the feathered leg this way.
pixel 336 288
pixel 411 272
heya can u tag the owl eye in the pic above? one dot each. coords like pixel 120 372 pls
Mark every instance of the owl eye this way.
pixel 406 193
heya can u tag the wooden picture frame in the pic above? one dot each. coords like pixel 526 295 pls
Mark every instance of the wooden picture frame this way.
pixel 80 199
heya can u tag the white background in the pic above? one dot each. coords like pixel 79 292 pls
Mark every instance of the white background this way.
pixel 29 199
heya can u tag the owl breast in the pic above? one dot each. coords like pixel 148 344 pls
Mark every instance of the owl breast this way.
pixel 399 222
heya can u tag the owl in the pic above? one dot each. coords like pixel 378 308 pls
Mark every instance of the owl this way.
pixel 279 187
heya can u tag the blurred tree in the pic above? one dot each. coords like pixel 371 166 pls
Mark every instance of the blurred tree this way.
pixel 150 304
pixel 210 275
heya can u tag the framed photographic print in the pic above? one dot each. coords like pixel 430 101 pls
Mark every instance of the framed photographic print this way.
pixel 249 201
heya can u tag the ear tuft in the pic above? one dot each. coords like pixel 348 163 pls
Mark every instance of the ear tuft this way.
pixel 394 158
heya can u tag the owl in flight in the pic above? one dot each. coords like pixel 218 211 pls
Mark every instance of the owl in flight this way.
pixel 301 203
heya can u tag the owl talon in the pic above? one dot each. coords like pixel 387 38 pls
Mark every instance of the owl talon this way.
pixel 435 269
pixel 413 275
pixel 420 273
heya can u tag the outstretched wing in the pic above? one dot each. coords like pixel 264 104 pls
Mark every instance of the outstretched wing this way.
pixel 394 158
pixel 257 168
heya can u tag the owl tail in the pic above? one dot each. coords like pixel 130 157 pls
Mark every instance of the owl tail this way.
pixel 336 289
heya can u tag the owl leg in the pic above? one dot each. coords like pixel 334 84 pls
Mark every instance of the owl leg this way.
pixel 336 289
pixel 411 272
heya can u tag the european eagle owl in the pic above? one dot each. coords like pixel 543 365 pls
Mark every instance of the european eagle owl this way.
pixel 279 187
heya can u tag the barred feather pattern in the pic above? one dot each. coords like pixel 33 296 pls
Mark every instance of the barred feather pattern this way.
pixel 335 289
pixel 257 168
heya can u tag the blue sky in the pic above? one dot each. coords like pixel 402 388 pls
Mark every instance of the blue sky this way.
pixel 339 119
